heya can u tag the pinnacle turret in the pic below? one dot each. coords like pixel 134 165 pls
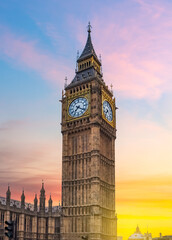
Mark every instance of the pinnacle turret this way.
pixel 35 203
pixel 23 200
pixel 50 203
pixel 8 196
pixel 42 199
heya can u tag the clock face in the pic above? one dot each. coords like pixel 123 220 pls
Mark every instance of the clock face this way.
pixel 107 111
pixel 78 107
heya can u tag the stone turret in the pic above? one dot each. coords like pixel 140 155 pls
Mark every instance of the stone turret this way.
pixel 50 204
pixel 42 199
pixel 8 196
pixel 23 200
pixel 35 203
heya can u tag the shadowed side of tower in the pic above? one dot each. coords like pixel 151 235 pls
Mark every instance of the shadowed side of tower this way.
pixel 88 156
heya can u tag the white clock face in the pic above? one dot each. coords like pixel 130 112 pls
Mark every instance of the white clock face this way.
pixel 107 111
pixel 78 107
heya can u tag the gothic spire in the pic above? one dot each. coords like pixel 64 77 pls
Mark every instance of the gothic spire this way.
pixel 50 203
pixel 8 196
pixel 42 191
pixel 35 203
pixel 23 200
pixel 88 49
pixel 42 198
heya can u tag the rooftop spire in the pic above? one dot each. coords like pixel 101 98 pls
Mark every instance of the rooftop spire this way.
pixel 89 49
pixel 23 200
pixel 8 196
pixel 89 27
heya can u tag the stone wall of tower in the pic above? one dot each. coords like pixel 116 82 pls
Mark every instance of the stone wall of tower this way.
pixel 88 176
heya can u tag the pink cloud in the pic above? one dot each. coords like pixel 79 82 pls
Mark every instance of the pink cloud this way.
pixel 26 54
pixel 136 48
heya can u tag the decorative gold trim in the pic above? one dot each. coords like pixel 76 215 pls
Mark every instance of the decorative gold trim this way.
pixel 86 95
pixel 106 97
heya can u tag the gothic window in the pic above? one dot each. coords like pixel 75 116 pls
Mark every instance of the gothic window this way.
pixel 86 142
pixel 46 228
pixel 75 224
pixel 75 195
pixel 2 217
pixel 86 195
pixel 86 224
pixel 82 143
pixel 76 169
pixel 82 224
pixel 82 194
pixel 82 167
pixel 86 167
pixel 72 196
pixel 72 224
pixel 57 225
pixel 75 150
pixel 72 145
pixel 73 163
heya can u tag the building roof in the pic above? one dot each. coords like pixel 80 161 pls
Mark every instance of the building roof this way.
pixel 136 235
pixel 30 206
pixel 88 49
pixel 89 72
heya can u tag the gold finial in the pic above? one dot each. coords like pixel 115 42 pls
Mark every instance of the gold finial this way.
pixel 89 27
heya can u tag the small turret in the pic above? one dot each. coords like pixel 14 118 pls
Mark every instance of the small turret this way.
pixel 8 196
pixel 35 203
pixel 50 204
pixel 23 200
pixel 42 199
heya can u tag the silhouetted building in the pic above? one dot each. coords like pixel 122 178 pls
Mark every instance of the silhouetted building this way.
pixel 33 222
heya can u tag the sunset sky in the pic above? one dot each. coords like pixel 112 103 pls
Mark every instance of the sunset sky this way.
pixel 39 40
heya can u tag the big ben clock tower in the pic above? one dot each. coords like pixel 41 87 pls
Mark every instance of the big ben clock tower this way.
pixel 88 156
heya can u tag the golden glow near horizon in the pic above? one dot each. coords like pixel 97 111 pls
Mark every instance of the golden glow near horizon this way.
pixel 36 53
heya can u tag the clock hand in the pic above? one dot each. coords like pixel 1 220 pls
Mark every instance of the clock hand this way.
pixel 81 108
pixel 77 108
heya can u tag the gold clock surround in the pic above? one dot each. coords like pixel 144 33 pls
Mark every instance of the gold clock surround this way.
pixel 106 97
pixel 84 94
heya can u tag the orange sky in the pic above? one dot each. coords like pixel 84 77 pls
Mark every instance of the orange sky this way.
pixel 38 50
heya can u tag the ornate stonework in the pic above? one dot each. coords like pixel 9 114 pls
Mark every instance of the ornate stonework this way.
pixel 88 161
pixel 88 166
pixel 33 222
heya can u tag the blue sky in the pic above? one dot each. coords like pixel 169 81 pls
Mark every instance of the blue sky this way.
pixel 39 43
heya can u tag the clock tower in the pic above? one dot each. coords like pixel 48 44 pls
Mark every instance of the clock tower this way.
pixel 88 155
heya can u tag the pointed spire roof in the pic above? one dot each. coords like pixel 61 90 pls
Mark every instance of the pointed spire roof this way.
pixel 88 49
pixel 50 200
pixel 8 190
pixel 35 199
pixel 23 196
pixel 42 191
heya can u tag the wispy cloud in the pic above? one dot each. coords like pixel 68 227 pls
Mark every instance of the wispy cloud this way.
pixel 27 54
pixel 136 48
